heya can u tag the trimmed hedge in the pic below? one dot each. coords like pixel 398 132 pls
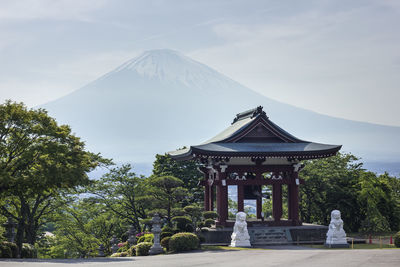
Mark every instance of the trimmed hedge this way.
pixel 165 234
pixel 132 251
pixel 210 215
pixel 142 249
pixel 183 242
pixel 165 242
pixel 28 251
pixel 146 238
pixel 183 223
pixel 5 250
pixel 397 240
pixel 209 222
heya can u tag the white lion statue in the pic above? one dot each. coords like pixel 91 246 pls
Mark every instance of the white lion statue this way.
pixel 240 236
pixel 336 235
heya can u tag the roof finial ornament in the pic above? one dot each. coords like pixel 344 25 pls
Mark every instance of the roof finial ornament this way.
pixel 250 114
pixel 259 110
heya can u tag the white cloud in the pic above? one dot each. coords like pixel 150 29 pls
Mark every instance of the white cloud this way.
pixel 342 63
pixel 48 9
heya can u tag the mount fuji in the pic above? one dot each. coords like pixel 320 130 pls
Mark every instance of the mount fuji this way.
pixel 163 100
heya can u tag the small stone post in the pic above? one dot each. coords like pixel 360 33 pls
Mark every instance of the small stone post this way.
pixel 10 229
pixel 114 244
pixel 101 251
pixel 131 236
pixel 156 230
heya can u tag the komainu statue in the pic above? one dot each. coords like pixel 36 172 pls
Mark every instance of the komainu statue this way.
pixel 240 236
pixel 336 237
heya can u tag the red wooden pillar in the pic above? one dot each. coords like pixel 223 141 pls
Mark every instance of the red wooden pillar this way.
pixel 295 199
pixel 259 207
pixel 211 198
pixel 277 201
pixel 222 199
pixel 206 197
pixel 290 210
pixel 240 192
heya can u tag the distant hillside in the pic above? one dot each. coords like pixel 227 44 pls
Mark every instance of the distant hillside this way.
pixel 163 100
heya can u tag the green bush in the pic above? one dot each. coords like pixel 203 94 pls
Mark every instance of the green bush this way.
pixel 209 222
pixel 28 251
pixel 5 250
pixel 142 249
pixel 124 254
pixel 12 246
pixel 165 242
pixel 201 238
pixel 210 215
pixel 132 251
pixel 167 228
pixel 146 238
pixel 397 240
pixel 116 254
pixel 165 234
pixel 183 242
pixel 183 223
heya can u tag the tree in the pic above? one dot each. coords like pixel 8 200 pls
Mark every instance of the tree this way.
pixel 186 171
pixel 166 192
pixel 38 161
pixel 82 226
pixel 123 193
pixel 331 183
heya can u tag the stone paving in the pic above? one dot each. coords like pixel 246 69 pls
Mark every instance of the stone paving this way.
pixel 278 256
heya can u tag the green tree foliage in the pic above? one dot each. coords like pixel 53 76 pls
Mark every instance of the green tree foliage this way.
pixel 186 171
pixel 123 193
pixel 39 160
pixel 367 202
pixel 166 192
pixel 82 227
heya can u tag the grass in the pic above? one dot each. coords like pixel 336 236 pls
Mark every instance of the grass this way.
pixel 359 246
pixel 227 248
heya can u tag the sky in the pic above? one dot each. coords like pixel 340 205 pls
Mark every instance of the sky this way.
pixel 339 58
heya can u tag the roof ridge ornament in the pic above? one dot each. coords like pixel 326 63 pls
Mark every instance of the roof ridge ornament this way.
pixel 251 113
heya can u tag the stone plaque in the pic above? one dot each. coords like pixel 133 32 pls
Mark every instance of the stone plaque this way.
pixel 265 236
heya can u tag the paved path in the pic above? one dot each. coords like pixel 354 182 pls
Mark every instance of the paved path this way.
pixel 243 258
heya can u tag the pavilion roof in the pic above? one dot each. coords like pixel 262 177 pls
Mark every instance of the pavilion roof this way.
pixel 252 134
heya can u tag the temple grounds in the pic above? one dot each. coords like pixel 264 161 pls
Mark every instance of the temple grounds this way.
pixel 274 256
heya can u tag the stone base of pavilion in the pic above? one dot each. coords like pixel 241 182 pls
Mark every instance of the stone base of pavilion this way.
pixel 264 234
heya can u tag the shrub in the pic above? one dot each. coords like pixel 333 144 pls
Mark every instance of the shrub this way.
pixel 201 238
pixel 210 215
pixel 123 254
pixel 28 251
pixel 167 228
pixel 132 251
pixel 146 238
pixel 165 242
pixel 5 247
pixel 5 250
pixel 142 249
pixel 397 240
pixel 178 212
pixel 209 222
pixel 165 234
pixel 182 222
pixel 123 247
pixel 116 254
pixel 183 242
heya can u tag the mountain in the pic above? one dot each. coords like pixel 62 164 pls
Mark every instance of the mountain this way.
pixel 163 100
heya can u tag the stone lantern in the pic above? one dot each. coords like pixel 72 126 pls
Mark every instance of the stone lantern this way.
pixel 10 229
pixel 156 230
pixel 131 235
pixel 114 244
pixel 101 251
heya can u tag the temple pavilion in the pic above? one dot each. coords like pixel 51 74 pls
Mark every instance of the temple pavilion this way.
pixel 253 152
